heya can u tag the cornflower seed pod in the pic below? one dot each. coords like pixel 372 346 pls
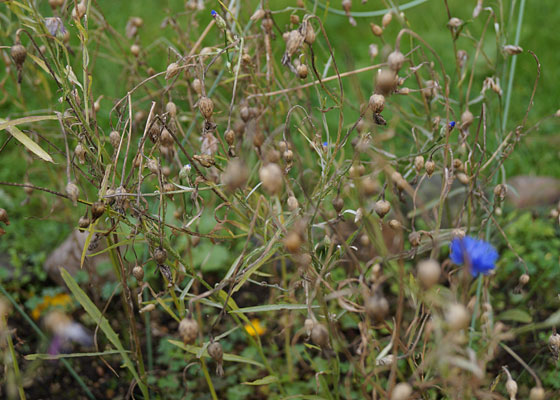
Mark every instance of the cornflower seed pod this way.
pixel 217 353
pixel 206 107
pixel 512 50
pixel 382 208
pixel 302 71
pixel 271 177
pixel 80 153
pixel 537 393
pixel 395 60
pixel 138 273
pixel 377 103
pixel 188 330
pixel 197 86
pixel 457 317
pixel 377 307
pixel 430 167
pixel 73 192
pixel 338 204
pixel 428 272
pixel 97 209
pixel 320 335
pixel 511 387
pixel 376 29
pixel 401 391
pixel 236 175
pixel 171 108
pixel 415 239
pixel 115 139
pixel 83 222
pixel 18 53
pixel 292 203
pixel 160 255
pixel 466 119
pixel 418 163
pixel 387 18
pixel 309 33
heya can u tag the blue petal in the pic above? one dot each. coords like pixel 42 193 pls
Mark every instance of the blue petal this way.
pixel 457 251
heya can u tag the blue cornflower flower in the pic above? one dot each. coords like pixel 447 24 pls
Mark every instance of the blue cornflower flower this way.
pixel 479 255
pixel 452 125
pixel 213 12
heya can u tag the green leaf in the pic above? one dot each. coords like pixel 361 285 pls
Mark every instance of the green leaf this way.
pixel 267 380
pixel 271 307
pixel 40 356
pixel 227 356
pixel 516 315
pixel 96 315
pixel 10 126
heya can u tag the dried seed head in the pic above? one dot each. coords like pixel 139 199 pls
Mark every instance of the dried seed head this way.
pixel 463 178
pixel 309 33
pixel 97 209
pixel 401 391
pixel 294 19
pixel 293 43
pixel 377 103
pixel 395 224
pixel 229 136
pixel 512 50
pixel 308 326
pixel 398 179
pixel 206 107
pixel 293 241
pixel 188 330
pixel 395 60
pixel 466 119
pixel 197 86
pixel 382 208
pixel 171 108
pixel 415 238
pixel 83 222
pixel 292 203
pixel 18 53
pixel 320 335
pixel 454 23
pixel 153 166
pixel 147 309
pixel 418 163
pixel 271 178
pixel 258 15
pixel 554 345
pixel 524 279
pixel 338 204
pixel 387 18
pixel 4 216
pixel 457 164
pixel 373 51
pixel 115 139
pixel 428 272
pixel 160 255
pixel 500 191
pixel 166 139
pixel 302 71
pixel 56 3
pixel 138 273
pixel 135 50
pixel 73 192
pixel 430 167
pixel 537 393
pixel 79 11
pixel 386 82
pixel 457 317
pixel 235 175
pixel 215 351
pixel 376 29
pixel 369 186
pixel 511 387
pixel 80 153
pixel 172 70
pixel 377 307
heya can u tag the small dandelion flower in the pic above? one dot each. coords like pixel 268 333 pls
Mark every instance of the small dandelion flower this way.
pixel 479 255
pixel 255 328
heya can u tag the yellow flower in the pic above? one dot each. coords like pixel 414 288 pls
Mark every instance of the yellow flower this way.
pixel 60 300
pixel 255 328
